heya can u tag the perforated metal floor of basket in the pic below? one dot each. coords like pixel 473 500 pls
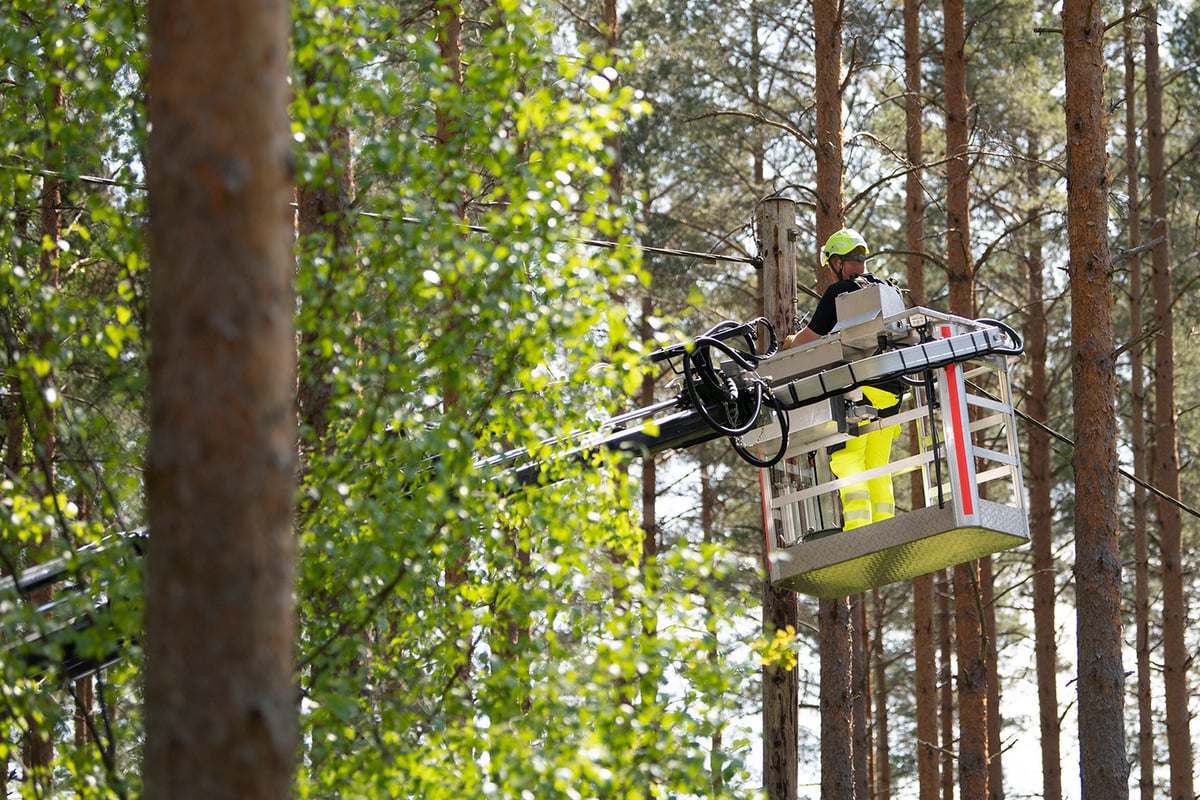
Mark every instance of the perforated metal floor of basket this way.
pixel 911 544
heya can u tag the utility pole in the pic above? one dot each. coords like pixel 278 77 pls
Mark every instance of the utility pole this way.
pixel 775 224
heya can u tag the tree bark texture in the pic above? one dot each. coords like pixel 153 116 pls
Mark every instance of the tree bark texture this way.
pixel 42 416
pixel 945 657
pixel 860 692
pixel 837 701
pixel 924 642
pixel 648 565
pixel 1041 510
pixel 220 702
pixel 1104 769
pixel 914 192
pixel 834 616
pixel 972 667
pixel 827 26
pixel 958 166
pixel 883 756
pixel 1176 657
pixel 776 230
pixel 925 678
pixel 1137 416
pixel 972 682
pixel 712 620
pixel 991 655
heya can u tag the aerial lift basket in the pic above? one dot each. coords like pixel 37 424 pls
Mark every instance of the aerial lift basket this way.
pixel 967 503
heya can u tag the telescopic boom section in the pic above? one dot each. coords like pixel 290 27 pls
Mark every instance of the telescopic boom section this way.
pixel 54 639
pixel 728 388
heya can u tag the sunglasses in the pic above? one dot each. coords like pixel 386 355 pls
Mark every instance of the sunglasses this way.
pixel 854 257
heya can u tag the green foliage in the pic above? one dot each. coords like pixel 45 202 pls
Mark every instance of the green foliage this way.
pixel 457 632
pixel 71 306
pixel 460 634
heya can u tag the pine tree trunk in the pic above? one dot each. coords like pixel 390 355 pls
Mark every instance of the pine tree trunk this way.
pixel 914 191
pixel 837 703
pixel 448 23
pixel 648 694
pixel 712 621
pixel 945 658
pixel 220 702
pixel 1041 509
pixel 958 229
pixel 860 689
pixel 42 416
pixel 991 654
pixel 972 669
pixel 1104 769
pixel 84 698
pixel 972 683
pixel 827 25
pixel 837 696
pixel 1137 416
pixel 883 767
pixel 925 678
pixel 1176 657
pixel 924 642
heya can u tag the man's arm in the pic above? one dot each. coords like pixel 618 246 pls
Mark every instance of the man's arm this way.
pixel 823 319
pixel 800 337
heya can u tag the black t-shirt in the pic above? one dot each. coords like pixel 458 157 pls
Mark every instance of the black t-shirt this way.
pixel 825 317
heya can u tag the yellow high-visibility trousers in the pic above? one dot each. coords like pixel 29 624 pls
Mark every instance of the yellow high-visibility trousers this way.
pixel 873 500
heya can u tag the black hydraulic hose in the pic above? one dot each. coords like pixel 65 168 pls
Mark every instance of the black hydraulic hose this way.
pixel 741 412
pixel 1018 345
pixel 713 379
pixel 935 443
pixel 784 429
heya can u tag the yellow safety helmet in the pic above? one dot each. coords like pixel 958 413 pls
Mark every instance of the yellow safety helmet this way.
pixel 842 243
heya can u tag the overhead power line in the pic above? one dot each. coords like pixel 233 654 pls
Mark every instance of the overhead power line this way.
pixel 663 251
pixel 1069 442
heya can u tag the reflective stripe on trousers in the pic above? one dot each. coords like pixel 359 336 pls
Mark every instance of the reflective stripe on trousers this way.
pixel 873 500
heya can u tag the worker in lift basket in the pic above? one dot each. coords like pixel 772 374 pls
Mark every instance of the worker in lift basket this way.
pixel 845 253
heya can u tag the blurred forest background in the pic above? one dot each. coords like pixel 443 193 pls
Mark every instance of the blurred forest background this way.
pixel 500 209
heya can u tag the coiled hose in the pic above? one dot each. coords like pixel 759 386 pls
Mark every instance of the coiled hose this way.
pixel 727 407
